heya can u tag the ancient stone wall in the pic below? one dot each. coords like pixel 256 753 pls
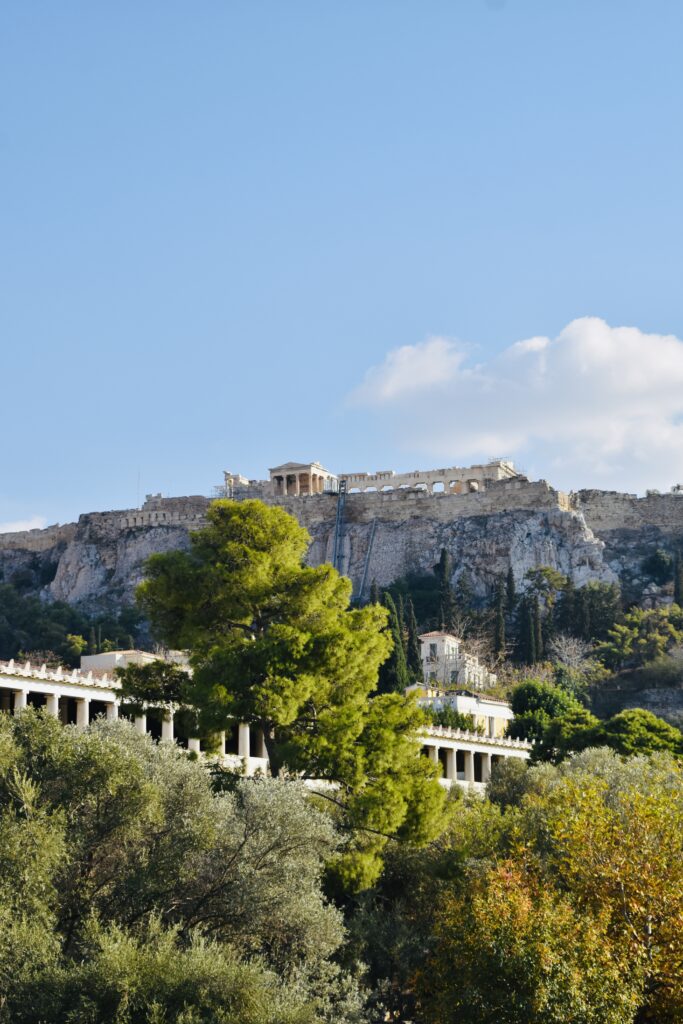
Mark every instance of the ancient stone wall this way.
pixel 401 506
pixel 611 510
pixel 37 540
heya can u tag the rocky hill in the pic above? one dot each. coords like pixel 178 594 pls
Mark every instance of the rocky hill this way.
pixel 591 535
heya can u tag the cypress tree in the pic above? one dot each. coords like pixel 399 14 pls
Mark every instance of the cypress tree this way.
pixel 375 596
pixel 413 656
pixel 444 569
pixel 538 629
pixel 400 613
pixel 463 591
pixel 527 633
pixel 499 627
pixel 393 675
pixel 678 579
pixel 583 614
pixel 511 591
pixel 565 609
pixel 444 572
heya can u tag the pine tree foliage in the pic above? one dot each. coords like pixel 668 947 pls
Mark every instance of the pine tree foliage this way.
pixel 275 644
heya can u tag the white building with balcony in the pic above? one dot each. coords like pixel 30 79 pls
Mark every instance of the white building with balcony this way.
pixel 446 663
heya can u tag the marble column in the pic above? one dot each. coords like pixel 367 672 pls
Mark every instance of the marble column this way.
pixel 485 767
pixel 450 772
pixel 167 727
pixel 20 700
pixel 141 723
pixel 112 711
pixel 243 745
pixel 193 745
pixel 82 712
pixel 469 766
pixel 52 704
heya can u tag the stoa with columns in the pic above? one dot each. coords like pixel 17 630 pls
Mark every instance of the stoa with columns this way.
pixel 465 757
pixel 77 697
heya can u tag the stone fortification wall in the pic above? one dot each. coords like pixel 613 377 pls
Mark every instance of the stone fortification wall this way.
pixel 401 506
pixel 610 510
pixel 158 511
pixel 37 540
pixel 632 529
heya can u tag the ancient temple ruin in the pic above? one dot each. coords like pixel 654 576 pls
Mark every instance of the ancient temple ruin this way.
pixel 303 479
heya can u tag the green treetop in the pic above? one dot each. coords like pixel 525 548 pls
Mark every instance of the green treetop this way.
pixel 274 643
pixel 644 635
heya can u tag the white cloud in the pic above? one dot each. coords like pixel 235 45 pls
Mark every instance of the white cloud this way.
pixel 411 369
pixel 34 523
pixel 595 406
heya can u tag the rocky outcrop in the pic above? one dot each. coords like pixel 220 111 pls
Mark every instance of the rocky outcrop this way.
pixel 482 546
pixel 632 528
pixel 98 562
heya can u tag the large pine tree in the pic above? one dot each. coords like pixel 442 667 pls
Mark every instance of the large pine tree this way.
pixel 273 643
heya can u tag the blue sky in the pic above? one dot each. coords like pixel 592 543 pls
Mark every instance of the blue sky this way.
pixel 225 225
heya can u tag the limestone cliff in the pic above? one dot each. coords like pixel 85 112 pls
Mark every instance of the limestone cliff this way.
pixel 97 562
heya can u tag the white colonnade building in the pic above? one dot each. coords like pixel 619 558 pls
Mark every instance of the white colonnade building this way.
pixel 77 697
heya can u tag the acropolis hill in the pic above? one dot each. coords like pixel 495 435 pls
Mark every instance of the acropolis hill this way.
pixel 385 524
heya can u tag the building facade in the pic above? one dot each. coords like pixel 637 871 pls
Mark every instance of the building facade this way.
pixel 446 663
